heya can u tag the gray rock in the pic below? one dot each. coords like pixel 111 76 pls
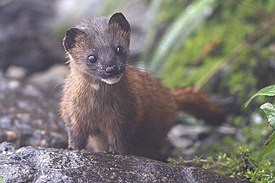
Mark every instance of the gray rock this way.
pixel 29 117
pixel 188 138
pixel 27 35
pixel 39 164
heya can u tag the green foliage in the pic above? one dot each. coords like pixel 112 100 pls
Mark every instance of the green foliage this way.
pixel 267 91
pixel 183 26
pixel 234 41
pixel 242 162
pixel 238 164
pixel 268 146
pixel 269 110
pixel 230 51
pixel 1 179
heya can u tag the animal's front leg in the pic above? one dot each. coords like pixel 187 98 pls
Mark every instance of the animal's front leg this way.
pixel 78 137
pixel 119 140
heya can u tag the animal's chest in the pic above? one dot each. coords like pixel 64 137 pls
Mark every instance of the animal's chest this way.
pixel 107 110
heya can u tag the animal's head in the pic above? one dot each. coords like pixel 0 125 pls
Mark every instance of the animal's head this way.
pixel 100 47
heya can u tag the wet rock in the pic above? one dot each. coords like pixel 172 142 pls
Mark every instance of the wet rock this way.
pixel 28 116
pixel 38 164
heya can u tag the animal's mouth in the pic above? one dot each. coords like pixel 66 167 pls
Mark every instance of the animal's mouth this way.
pixel 112 80
pixel 113 76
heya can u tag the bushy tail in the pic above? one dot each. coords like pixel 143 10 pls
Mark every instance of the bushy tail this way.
pixel 198 104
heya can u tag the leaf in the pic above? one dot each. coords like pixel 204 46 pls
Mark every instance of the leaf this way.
pixel 269 111
pixel 268 146
pixel 266 91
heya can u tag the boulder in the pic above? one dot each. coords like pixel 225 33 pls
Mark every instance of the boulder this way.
pixel 40 164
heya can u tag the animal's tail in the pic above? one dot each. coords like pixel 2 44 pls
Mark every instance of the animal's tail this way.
pixel 198 104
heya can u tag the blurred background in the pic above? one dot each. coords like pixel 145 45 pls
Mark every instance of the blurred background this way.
pixel 224 48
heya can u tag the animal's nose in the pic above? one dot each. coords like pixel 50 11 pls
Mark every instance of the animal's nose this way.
pixel 112 69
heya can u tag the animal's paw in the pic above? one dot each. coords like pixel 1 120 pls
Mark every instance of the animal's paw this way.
pixel 113 151
pixel 70 148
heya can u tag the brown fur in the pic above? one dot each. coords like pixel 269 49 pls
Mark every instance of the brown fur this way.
pixel 131 116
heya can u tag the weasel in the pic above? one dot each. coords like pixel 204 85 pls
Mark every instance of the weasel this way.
pixel 115 106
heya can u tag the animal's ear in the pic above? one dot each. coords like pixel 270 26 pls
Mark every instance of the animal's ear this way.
pixel 71 37
pixel 118 19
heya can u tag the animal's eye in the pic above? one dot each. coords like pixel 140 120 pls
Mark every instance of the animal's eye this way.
pixel 92 59
pixel 119 50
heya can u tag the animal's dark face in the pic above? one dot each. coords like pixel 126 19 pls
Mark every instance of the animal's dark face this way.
pixel 100 49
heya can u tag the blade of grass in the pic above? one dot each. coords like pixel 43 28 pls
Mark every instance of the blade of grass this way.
pixel 183 26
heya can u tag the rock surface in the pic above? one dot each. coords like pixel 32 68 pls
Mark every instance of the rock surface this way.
pixel 39 164
pixel 28 116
